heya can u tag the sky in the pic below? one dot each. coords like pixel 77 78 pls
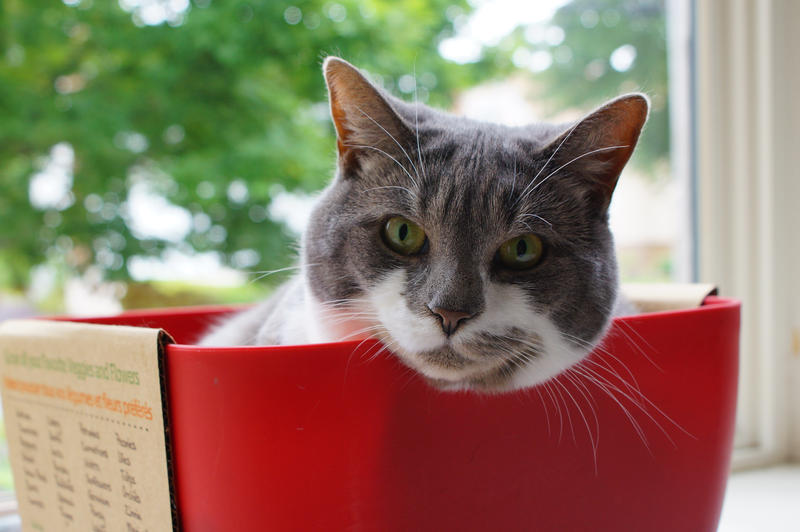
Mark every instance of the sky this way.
pixel 490 22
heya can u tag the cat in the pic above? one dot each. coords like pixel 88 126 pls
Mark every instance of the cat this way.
pixel 479 254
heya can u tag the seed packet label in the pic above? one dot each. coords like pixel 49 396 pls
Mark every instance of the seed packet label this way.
pixel 85 421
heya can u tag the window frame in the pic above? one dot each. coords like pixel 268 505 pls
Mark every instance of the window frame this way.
pixel 745 116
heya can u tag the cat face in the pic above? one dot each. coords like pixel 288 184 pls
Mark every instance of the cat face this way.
pixel 479 254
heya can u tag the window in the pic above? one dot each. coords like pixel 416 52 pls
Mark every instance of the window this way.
pixel 747 189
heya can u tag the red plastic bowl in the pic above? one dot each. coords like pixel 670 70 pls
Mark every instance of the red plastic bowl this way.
pixel 329 437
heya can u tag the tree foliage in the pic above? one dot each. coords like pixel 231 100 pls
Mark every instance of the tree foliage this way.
pixel 212 106
pixel 582 39
pixel 223 92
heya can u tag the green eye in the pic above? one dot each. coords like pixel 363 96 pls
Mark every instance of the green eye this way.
pixel 522 252
pixel 403 235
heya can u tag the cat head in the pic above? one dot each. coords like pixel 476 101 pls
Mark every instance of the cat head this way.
pixel 479 254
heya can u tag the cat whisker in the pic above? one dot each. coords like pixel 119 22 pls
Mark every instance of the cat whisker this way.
pixel 350 357
pixel 517 361
pixel 600 349
pixel 525 190
pixel 557 403
pixel 557 406
pixel 537 217
pixel 605 366
pixel 343 307
pixel 344 301
pixel 635 388
pixel 636 345
pixel 546 410
pixel 404 189
pixel 335 306
pixel 382 348
pixel 361 331
pixel 344 310
pixel 267 273
pixel 559 388
pixel 514 182
pixel 340 316
pixel 416 123
pixel 393 139
pixel 356 318
pixel 535 346
pixel 578 382
pixel 591 152
pixel 612 390
pixel 366 147
pixel 367 354
pixel 594 438
pixel 644 402
pixel 608 389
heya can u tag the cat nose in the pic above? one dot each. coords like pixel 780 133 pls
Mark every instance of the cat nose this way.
pixel 450 319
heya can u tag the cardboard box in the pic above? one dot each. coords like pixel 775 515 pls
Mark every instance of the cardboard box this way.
pixel 85 424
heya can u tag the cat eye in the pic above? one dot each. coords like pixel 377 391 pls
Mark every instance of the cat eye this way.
pixel 521 252
pixel 403 236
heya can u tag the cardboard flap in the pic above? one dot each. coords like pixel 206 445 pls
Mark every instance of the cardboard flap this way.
pixel 85 420
pixel 658 297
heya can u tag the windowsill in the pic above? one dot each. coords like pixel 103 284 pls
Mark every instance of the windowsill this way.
pixel 762 499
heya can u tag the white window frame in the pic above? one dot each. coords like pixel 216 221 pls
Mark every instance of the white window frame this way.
pixel 747 192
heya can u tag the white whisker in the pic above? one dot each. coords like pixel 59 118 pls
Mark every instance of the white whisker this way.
pixel 398 187
pixel 416 123
pixel 546 410
pixel 366 147
pixel 598 150
pixel 525 190
pixel 537 217
pixel 267 273
pixel 393 139
pixel 594 438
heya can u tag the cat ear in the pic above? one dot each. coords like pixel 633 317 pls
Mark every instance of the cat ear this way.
pixel 364 119
pixel 598 146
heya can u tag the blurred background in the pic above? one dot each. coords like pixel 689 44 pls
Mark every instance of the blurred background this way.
pixel 162 152
pixel 166 152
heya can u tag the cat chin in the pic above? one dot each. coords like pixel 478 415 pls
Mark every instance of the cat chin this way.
pixel 499 378
pixel 451 368
pixel 471 359
pixel 474 358
pixel 457 371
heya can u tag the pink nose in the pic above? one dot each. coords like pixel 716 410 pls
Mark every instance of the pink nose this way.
pixel 451 319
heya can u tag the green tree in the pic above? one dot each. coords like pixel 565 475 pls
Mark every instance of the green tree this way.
pixel 213 105
pixel 188 103
pixel 600 49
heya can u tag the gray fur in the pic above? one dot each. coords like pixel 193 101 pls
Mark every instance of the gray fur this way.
pixel 471 186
